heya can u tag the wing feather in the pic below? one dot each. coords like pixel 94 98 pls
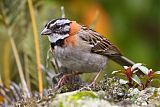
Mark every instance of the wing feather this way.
pixel 100 45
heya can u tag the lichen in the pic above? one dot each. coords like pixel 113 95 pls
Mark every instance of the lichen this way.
pixel 108 92
pixel 79 99
pixel 82 95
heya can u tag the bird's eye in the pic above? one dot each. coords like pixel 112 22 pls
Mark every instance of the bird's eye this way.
pixel 58 27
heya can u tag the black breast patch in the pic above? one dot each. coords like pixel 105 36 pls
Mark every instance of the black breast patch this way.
pixel 60 43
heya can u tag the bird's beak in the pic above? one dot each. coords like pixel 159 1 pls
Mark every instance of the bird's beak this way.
pixel 46 31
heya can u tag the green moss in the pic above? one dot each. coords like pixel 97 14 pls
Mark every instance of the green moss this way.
pixel 82 95
pixel 61 104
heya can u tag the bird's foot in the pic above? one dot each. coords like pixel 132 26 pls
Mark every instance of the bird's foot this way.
pixel 63 80
pixel 85 88
pixel 60 82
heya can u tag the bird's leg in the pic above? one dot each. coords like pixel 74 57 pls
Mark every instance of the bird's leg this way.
pixel 93 83
pixel 56 77
pixel 62 80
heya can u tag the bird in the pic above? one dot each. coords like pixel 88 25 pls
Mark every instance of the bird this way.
pixel 80 49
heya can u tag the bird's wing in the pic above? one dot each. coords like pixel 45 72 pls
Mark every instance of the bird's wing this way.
pixel 99 44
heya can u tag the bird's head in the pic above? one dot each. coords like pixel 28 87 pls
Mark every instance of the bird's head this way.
pixel 60 28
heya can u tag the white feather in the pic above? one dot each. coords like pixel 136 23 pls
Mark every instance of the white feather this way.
pixel 60 22
pixel 55 37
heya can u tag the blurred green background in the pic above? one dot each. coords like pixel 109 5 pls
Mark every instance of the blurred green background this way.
pixel 132 25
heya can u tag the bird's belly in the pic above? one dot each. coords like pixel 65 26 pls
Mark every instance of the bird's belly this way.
pixel 80 61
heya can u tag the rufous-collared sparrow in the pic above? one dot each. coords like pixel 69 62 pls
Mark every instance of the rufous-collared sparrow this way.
pixel 80 49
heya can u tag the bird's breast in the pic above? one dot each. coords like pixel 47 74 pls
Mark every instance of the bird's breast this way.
pixel 80 60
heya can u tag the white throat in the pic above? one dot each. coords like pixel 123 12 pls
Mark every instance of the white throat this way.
pixel 55 37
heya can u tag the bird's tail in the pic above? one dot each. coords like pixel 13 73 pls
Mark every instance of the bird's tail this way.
pixel 123 61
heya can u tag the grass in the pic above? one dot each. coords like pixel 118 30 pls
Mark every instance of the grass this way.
pixel 36 42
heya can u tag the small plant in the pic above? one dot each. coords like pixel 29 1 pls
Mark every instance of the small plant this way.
pixel 129 76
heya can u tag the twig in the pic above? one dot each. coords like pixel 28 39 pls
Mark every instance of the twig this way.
pixel 25 88
pixel 62 12
pixel 27 72
pixel 6 58
pixel 36 42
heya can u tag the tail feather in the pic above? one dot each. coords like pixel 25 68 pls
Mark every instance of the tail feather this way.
pixel 123 61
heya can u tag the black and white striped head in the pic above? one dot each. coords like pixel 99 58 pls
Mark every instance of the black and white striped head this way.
pixel 57 29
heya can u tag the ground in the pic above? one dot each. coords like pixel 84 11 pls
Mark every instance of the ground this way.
pixel 108 92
